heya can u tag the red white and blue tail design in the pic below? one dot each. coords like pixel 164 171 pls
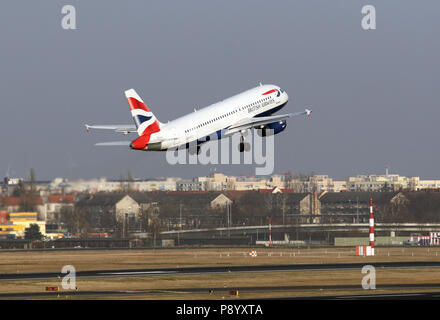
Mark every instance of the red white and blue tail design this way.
pixel 146 122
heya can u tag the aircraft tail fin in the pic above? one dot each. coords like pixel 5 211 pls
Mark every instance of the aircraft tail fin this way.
pixel 146 122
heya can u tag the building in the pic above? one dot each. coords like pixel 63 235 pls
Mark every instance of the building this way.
pixel 117 212
pixel 277 190
pixel 55 204
pixel 189 185
pixel 389 182
pixel 354 206
pixel 301 183
pixel 415 184
pixel 15 204
pixel 299 204
pixel 220 202
pixel 4 217
pixel 60 185
pixel 18 222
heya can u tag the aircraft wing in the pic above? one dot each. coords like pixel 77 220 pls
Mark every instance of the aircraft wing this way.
pixel 256 122
pixel 117 128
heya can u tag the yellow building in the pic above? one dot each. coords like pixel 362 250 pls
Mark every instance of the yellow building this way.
pixel 19 221
pixel 23 216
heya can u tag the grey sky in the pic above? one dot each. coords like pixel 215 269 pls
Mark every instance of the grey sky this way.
pixel 375 94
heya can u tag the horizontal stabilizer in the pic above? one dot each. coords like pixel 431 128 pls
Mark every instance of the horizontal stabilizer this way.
pixel 117 128
pixel 113 143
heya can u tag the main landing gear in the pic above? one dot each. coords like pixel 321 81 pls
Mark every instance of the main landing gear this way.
pixel 244 146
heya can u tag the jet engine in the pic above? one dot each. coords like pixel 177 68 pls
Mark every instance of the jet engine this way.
pixel 277 127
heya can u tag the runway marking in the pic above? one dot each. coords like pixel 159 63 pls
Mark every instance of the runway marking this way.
pixel 169 291
pixel 373 295
pixel 140 272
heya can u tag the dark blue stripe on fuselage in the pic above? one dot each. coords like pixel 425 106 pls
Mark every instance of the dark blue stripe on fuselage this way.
pixel 219 133
pixel 271 111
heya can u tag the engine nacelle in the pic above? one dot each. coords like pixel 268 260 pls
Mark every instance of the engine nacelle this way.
pixel 277 127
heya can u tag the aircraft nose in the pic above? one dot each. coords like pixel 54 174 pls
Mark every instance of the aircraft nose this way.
pixel 131 146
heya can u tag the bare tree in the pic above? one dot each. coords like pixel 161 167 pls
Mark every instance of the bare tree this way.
pixel 155 230
pixel 126 182
pixel 74 219
pixel 288 179
pixel 32 183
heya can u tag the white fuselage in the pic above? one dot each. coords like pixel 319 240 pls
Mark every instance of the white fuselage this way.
pixel 214 119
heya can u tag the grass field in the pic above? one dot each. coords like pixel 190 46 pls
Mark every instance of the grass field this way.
pixel 47 261
pixel 161 287
pixel 165 287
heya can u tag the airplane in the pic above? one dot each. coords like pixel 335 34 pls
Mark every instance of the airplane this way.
pixel 251 109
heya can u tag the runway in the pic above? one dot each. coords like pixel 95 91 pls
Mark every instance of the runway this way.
pixel 225 292
pixel 218 270
pixel 372 296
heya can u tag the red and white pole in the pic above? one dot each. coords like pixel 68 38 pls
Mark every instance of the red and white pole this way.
pixel 270 232
pixel 371 227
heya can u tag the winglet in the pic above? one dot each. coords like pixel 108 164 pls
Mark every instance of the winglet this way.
pixel 308 113
pixel 87 127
